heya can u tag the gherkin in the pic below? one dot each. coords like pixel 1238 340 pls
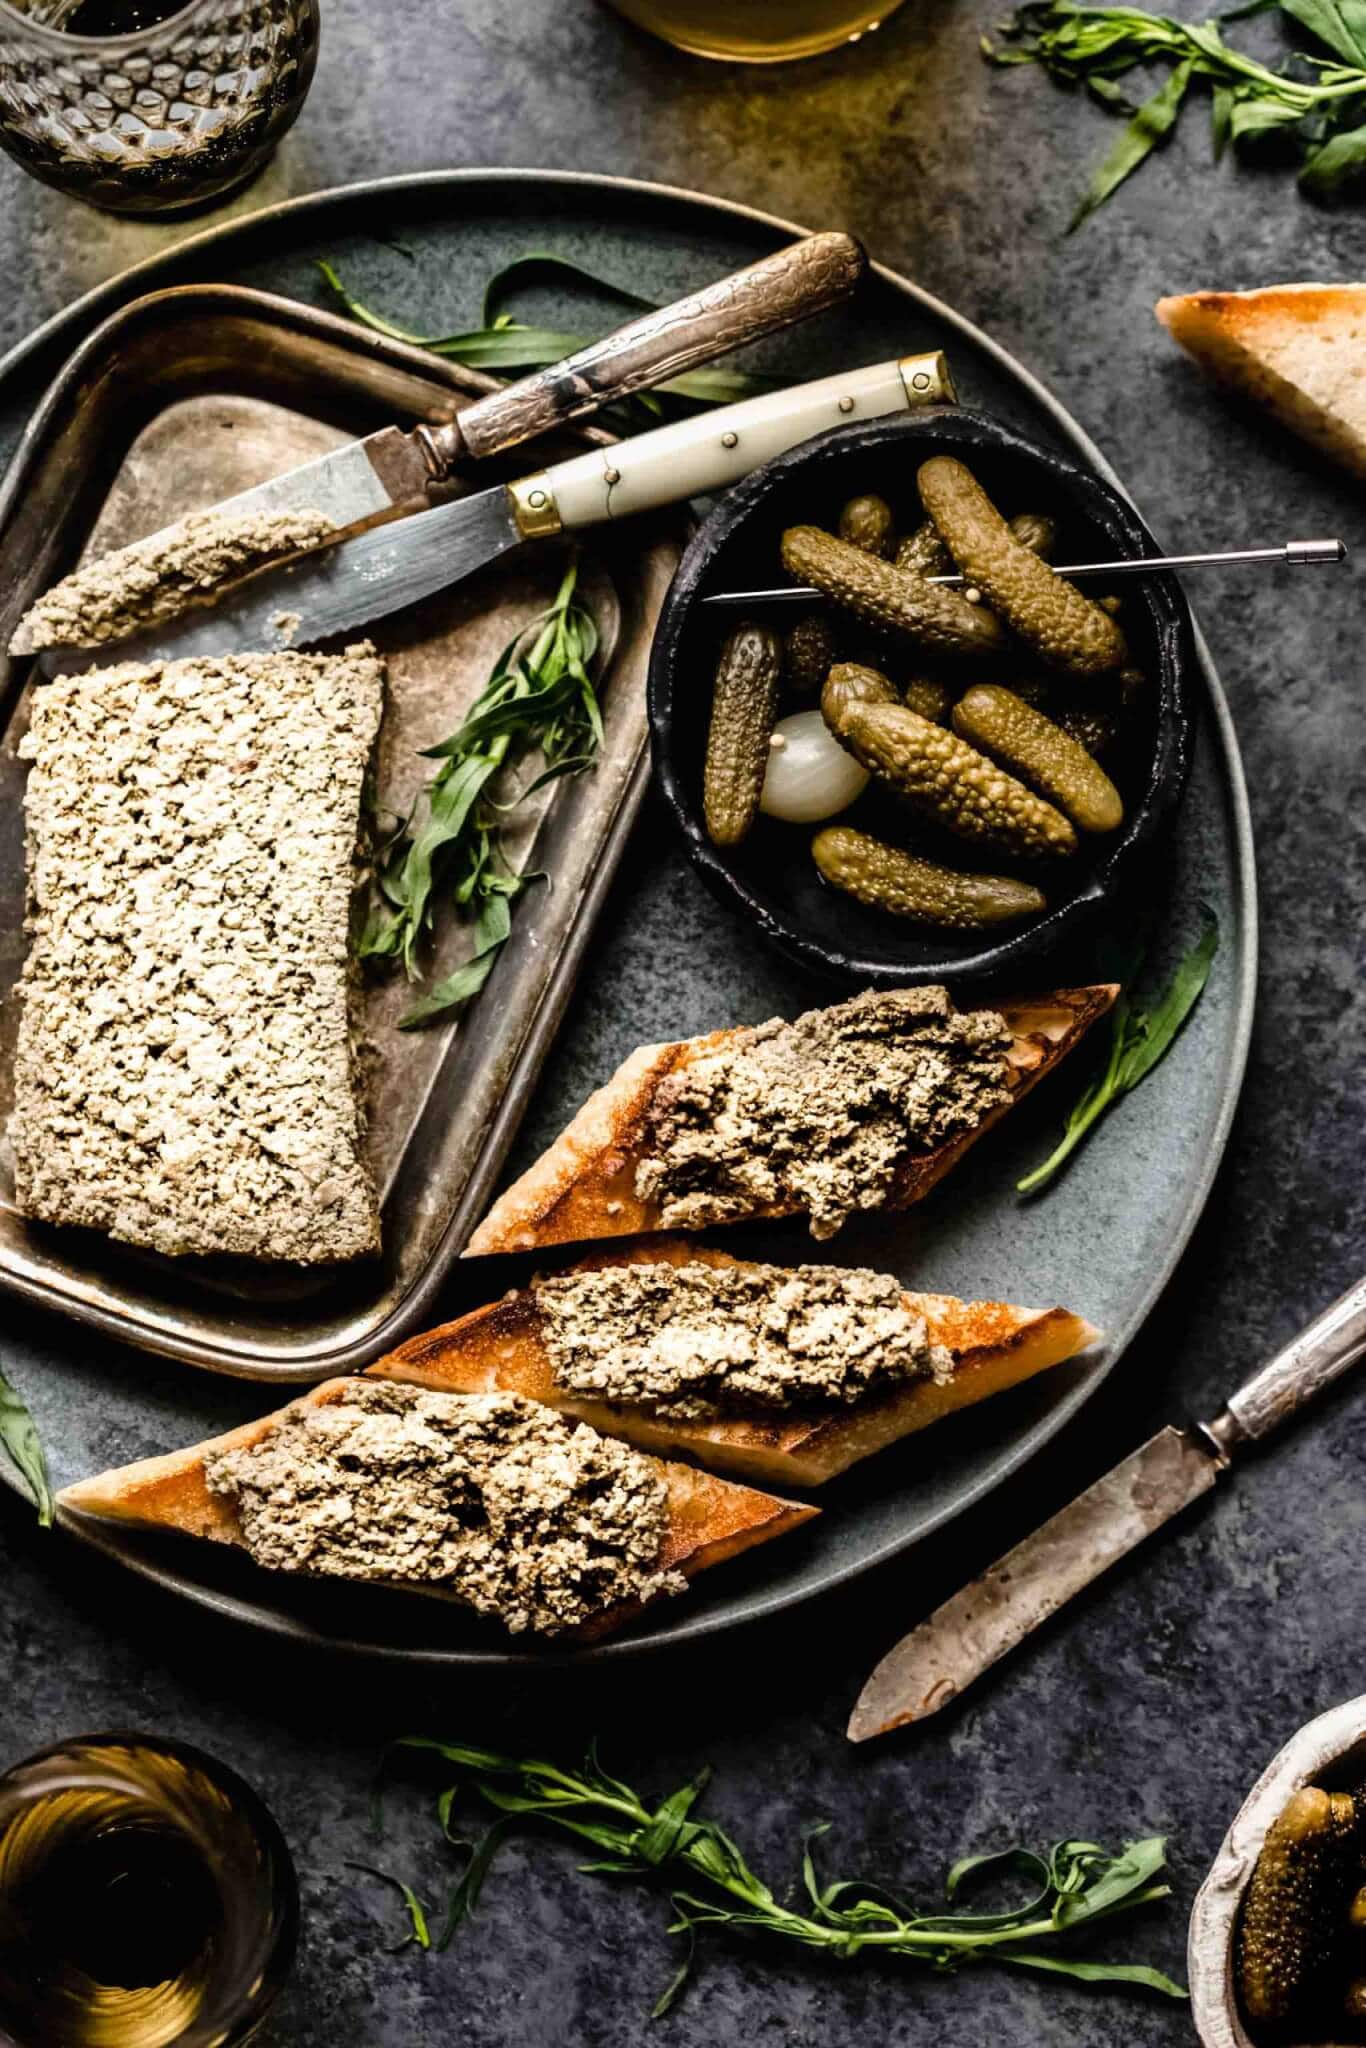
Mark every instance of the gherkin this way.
pixel 921 891
pixel 936 619
pixel 1003 725
pixel 744 708
pixel 848 683
pixel 952 783
pixel 809 653
pixel 1047 612
pixel 1292 1935
pixel 867 523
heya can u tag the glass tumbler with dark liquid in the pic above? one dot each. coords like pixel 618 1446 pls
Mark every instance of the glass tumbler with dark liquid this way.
pixel 147 1898
pixel 151 106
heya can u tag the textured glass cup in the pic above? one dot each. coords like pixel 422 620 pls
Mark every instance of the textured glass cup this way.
pixel 757 31
pixel 147 1899
pixel 164 118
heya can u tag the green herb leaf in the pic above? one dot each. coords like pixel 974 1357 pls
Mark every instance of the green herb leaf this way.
pixel 418 1931
pixel 534 266
pixel 1337 164
pixel 1341 24
pixel 505 344
pixel 1095 46
pixel 710 1885
pixel 1141 1974
pixel 1138 1040
pixel 19 1438
pixel 540 699
pixel 1151 124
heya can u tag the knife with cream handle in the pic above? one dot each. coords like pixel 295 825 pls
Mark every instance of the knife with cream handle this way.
pixel 391 470
pixel 989 1618
pixel 386 568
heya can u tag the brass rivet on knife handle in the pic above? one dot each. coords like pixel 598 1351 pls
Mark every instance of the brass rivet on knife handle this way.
pixel 534 508
pixel 805 278
pixel 928 379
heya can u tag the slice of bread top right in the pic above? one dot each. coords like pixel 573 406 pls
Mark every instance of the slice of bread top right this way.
pixel 1299 350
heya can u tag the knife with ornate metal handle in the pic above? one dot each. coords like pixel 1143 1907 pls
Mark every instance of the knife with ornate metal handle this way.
pixel 805 278
pixel 385 568
pixel 989 1618
pixel 392 470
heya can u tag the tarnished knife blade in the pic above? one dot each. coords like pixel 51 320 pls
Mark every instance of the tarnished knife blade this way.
pixel 978 1626
pixel 383 473
pixel 331 591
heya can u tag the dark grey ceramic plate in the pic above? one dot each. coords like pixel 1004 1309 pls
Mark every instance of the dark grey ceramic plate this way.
pixel 669 962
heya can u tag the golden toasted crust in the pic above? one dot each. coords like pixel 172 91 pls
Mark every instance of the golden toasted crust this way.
pixel 994 1344
pixel 584 1187
pixel 1298 349
pixel 709 1519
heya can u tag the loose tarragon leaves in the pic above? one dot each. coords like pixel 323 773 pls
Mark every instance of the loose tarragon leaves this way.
pixel 1139 1038
pixel 540 696
pixel 502 344
pixel 541 692
pixel 1319 105
pixel 1067 1889
pixel 19 1438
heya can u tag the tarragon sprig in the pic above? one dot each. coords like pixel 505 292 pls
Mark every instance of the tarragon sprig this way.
pixel 1068 1889
pixel 539 699
pixel 20 1440
pixel 1320 105
pixel 503 344
pixel 1139 1038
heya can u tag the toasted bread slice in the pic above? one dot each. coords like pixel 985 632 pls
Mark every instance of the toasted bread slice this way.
pixel 1298 349
pixel 709 1519
pixel 499 1350
pixel 583 1188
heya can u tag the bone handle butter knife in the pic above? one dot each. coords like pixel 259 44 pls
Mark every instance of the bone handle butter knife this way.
pixel 385 568
pixel 391 469
pixel 983 1623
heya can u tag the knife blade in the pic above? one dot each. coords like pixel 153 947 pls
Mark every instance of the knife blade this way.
pixel 391 471
pixel 388 567
pixel 986 1620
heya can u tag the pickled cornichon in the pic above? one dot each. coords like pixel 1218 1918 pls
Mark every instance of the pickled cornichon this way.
pixel 921 891
pixel 1295 1912
pixel 849 682
pixel 938 620
pixel 1003 725
pixel 1035 531
pixel 930 698
pixel 809 652
pixel 924 552
pixel 1046 611
pixel 951 782
pixel 867 523
pixel 744 708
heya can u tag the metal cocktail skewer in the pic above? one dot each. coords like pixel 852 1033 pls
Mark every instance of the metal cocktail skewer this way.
pixel 1298 553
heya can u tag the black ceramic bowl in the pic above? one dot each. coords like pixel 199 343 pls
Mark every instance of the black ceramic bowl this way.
pixel 771 876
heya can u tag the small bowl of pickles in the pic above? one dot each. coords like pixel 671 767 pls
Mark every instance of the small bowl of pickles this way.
pixel 1277 1947
pixel 908 778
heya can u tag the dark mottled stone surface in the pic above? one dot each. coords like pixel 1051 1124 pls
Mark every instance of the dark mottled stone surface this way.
pixel 1154 1701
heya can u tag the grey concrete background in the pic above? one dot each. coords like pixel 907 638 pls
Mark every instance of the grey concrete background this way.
pixel 1156 1700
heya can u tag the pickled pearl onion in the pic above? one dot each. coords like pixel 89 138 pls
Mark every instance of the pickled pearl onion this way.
pixel 810 777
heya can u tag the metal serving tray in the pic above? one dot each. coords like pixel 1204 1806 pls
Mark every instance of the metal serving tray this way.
pixel 186 397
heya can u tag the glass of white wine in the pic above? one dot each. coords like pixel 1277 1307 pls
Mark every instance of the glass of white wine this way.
pixel 757 31
pixel 147 1899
